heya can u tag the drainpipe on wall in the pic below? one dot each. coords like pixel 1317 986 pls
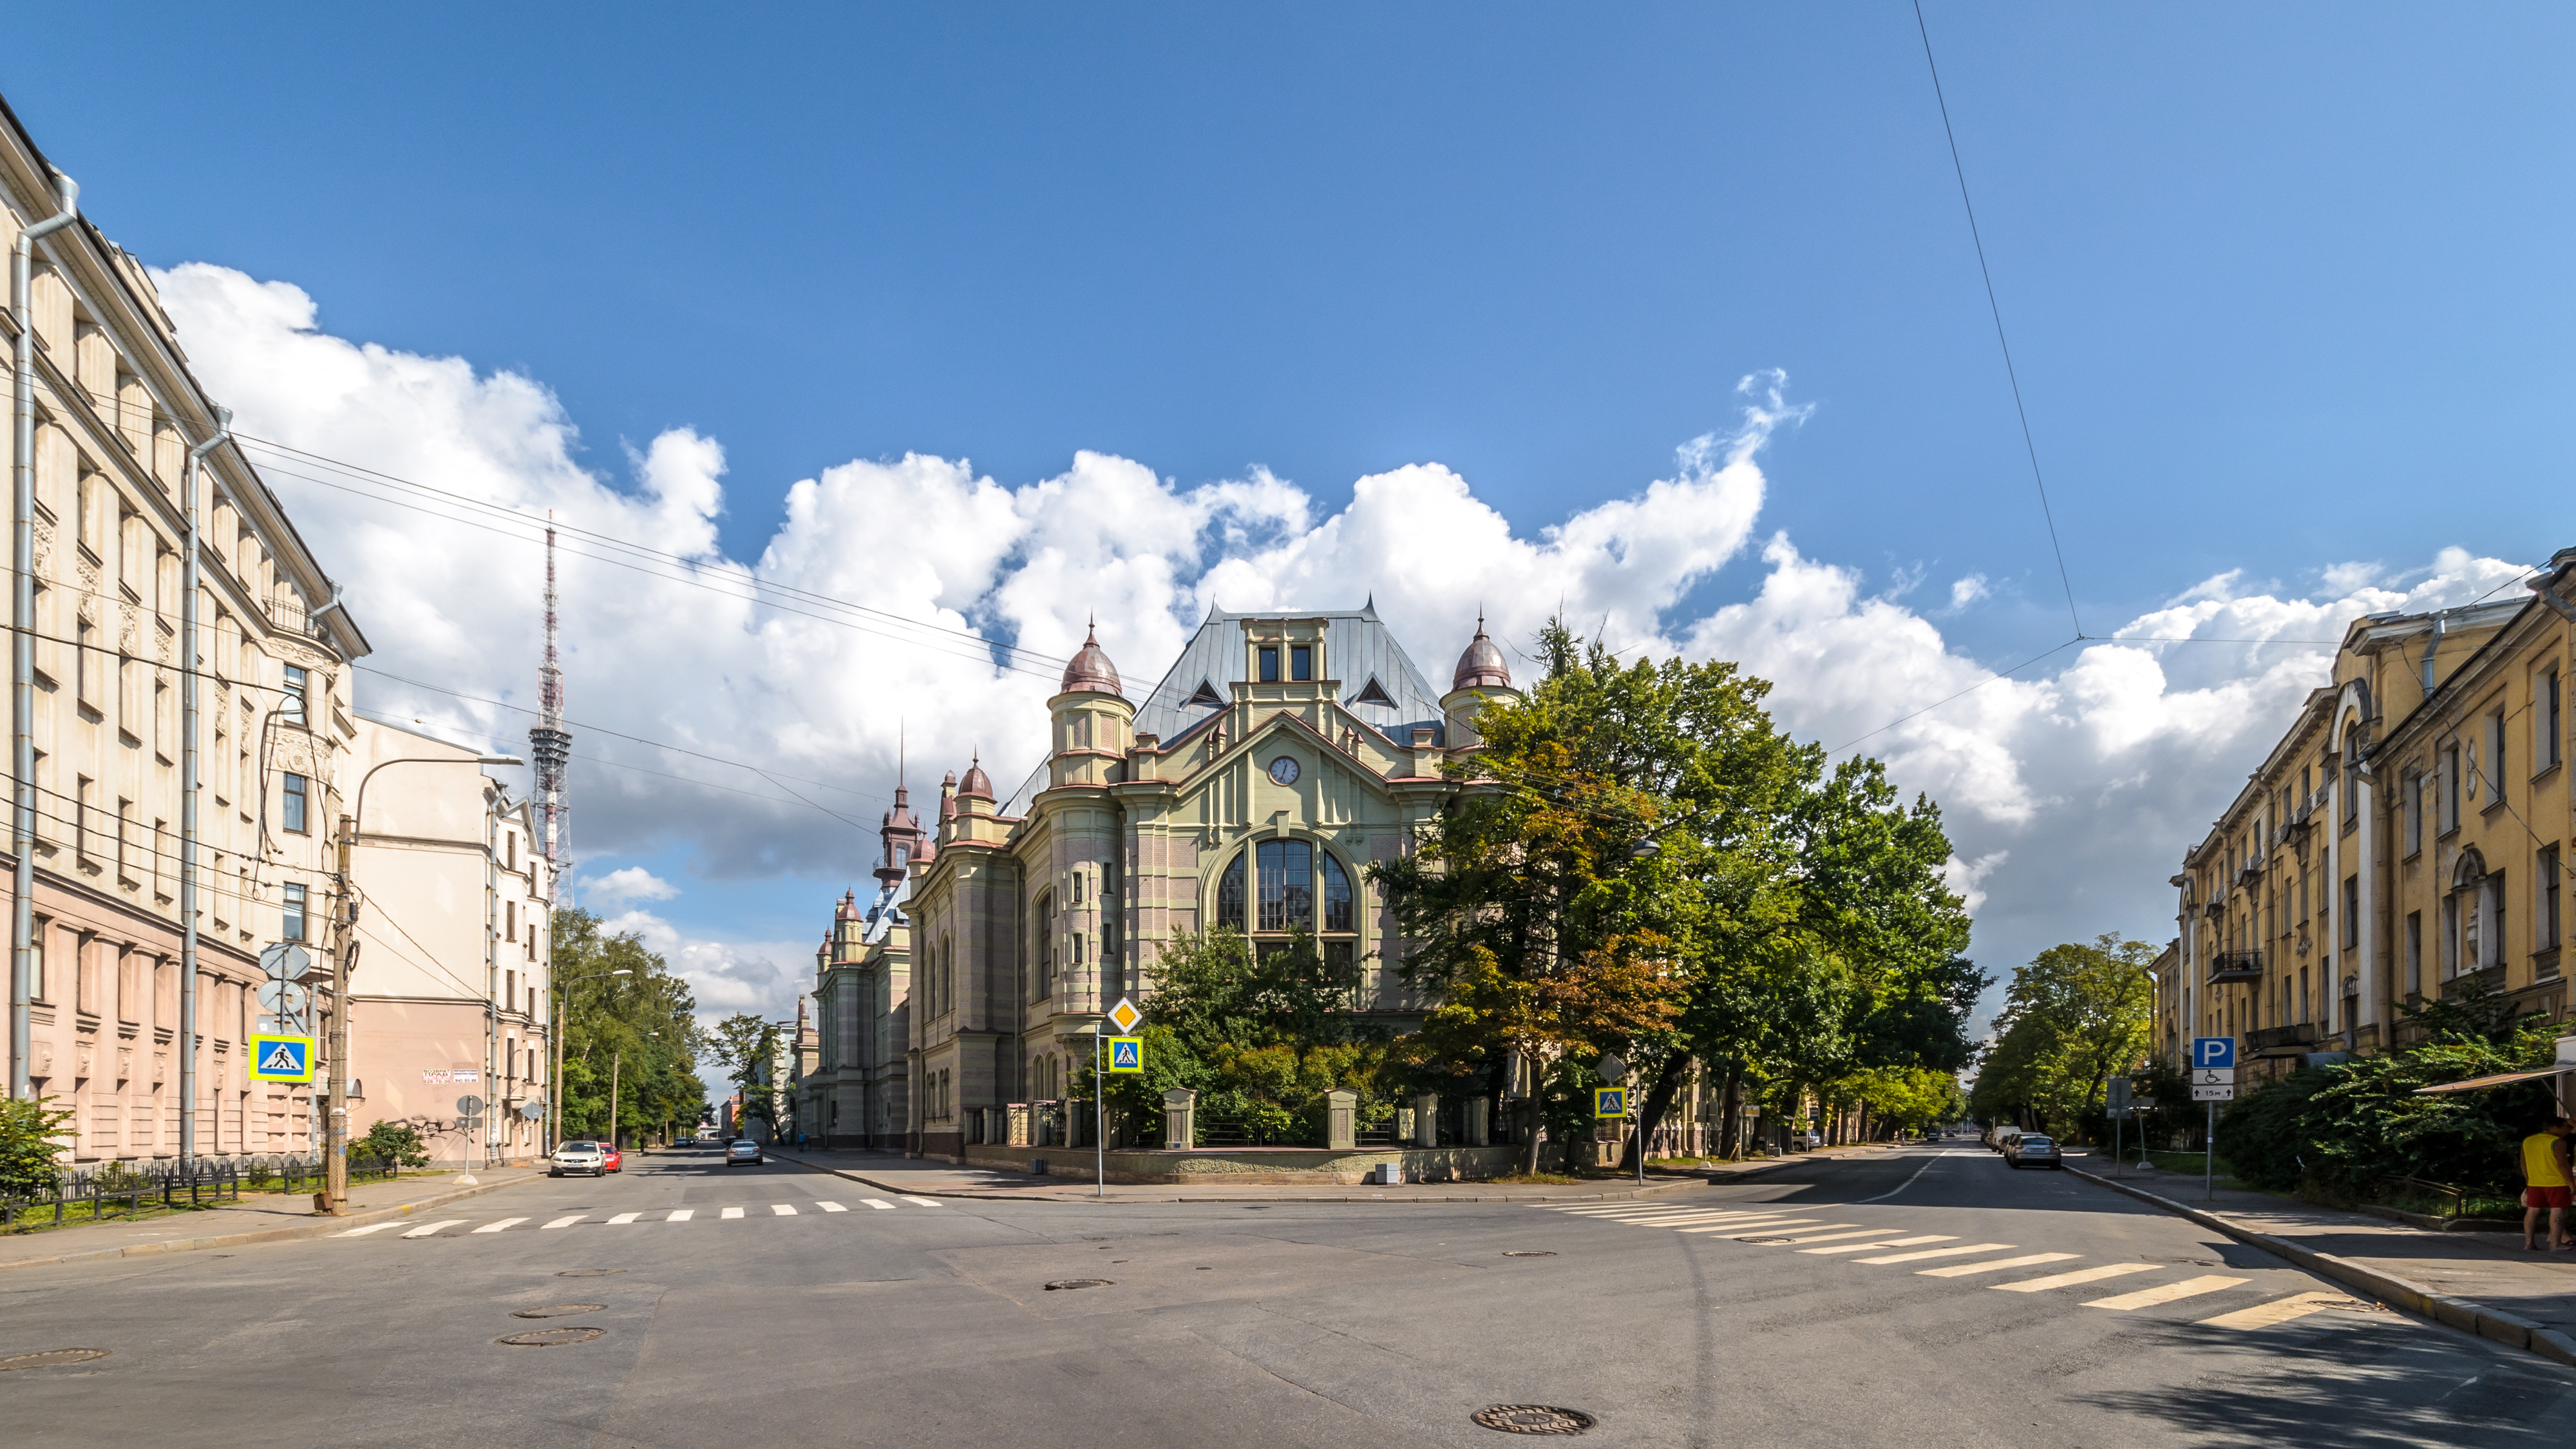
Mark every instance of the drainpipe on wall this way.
pixel 2432 642
pixel 189 584
pixel 22 693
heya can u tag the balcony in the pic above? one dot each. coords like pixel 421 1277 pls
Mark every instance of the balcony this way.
pixel 2235 966
pixel 2286 1040
pixel 2251 873
pixel 2490 977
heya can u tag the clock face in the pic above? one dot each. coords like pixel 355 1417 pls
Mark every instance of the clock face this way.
pixel 1284 770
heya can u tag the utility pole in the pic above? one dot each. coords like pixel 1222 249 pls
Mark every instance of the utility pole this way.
pixel 335 1147
pixel 614 1063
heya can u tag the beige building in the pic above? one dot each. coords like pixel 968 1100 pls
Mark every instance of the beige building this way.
pixel 2405 838
pixel 97 1008
pixel 856 1093
pixel 453 995
pixel 1251 787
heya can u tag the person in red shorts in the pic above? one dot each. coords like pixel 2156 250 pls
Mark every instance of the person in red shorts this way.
pixel 2549 1181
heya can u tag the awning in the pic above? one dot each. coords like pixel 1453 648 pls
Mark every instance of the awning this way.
pixel 2499 1079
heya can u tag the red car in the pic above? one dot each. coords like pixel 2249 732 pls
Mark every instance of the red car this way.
pixel 615 1160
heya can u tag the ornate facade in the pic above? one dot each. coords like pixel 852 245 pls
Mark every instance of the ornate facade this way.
pixel 1251 787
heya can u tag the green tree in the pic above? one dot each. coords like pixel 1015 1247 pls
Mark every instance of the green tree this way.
pixel 33 1133
pixel 746 1046
pixel 395 1142
pixel 2073 1018
pixel 636 1032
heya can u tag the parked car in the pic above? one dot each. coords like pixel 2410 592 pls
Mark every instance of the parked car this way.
pixel 2001 1139
pixel 572 1157
pixel 2029 1149
pixel 744 1150
pixel 616 1157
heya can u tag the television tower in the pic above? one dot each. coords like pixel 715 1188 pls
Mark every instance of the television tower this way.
pixel 548 743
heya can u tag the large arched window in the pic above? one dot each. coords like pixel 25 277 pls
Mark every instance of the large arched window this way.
pixel 1229 896
pixel 1337 895
pixel 1287 869
pixel 1293 885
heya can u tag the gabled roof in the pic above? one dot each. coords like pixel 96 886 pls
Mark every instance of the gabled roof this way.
pixel 1359 649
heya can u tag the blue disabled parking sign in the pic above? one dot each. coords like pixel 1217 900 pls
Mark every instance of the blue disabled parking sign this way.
pixel 2213 1052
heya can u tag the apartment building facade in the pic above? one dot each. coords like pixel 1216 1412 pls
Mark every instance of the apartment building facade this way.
pixel 855 1095
pixel 2406 840
pixel 452 1001
pixel 113 416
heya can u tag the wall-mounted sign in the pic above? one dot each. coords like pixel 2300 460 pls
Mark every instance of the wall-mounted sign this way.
pixel 466 1075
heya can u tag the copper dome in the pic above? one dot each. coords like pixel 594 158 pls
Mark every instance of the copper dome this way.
pixel 1482 667
pixel 977 785
pixel 1091 672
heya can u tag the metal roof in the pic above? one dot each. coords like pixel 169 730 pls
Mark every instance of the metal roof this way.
pixel 1358 648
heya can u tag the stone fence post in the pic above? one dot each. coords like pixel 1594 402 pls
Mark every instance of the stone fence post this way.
pixel 1341 1113
pixel 1426 1119
pixel 1180 1108
pixel 1479 1128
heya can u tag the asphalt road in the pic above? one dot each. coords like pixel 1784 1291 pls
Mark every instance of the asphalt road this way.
pixel 1918 1298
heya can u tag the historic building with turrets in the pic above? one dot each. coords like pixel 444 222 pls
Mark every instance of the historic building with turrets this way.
pixel 1250 788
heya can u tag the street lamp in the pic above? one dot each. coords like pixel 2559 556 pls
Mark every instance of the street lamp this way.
pixel 554 1088
pixel 335 1152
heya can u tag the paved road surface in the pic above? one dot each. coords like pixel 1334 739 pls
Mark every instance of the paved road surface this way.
pixel 1918 1298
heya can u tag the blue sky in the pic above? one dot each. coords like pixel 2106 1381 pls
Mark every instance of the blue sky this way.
pixel 2285 284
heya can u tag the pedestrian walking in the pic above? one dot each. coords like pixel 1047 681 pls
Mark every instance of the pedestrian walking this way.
pixel 2549 1181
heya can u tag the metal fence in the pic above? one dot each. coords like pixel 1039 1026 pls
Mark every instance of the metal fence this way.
pixel 159 1183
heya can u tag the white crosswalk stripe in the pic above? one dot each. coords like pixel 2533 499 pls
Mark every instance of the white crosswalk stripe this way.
pixel 681 1215
pixel 503 1225
pixel 2030 1260
pixel 1830 1237
pixel 564 1222
pixel 875 1203
pixel 731 1213
pixel 623 1218
pixel 427 1229
pixel 1756 1225
pixel 1884 1243
pixel 831 1207
pixel 2165 1293
pixel 2278 1311
pixel 784 1210
pixel 919 1201
pixel 1939 1253
pixel 2069 1280
pixel 369 1228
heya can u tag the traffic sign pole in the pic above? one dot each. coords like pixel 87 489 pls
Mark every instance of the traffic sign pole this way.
pixel 1100 1133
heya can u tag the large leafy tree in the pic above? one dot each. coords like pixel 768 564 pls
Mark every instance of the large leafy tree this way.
pixel 2073 1018
pixel 635 1032
pixel 746 1046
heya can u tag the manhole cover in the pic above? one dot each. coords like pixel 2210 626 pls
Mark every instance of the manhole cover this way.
pixel 588 1272
pixel 1533 1419
pixel 1766 1240
pixel 52 1357
pixel 550 1337
pixel 1061 1284
pixel 559 1310
pixel 1528 1253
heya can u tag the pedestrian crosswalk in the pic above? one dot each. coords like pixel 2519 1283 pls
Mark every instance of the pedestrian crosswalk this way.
pixel 1807 1230
pixel 641 1217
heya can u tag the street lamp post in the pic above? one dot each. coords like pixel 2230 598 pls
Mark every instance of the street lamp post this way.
pixel 554 1092
pixel 335 1151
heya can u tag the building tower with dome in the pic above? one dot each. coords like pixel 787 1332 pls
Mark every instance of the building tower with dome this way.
pixel 1250 788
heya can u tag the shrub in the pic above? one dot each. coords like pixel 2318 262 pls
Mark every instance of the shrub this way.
pixel 395 1142
pixel 32 1132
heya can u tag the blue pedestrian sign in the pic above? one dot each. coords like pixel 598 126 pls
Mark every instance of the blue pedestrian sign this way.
pixel 2213 1052
pixel 275 1058
pixel 1609 1101
pixel 1126 1054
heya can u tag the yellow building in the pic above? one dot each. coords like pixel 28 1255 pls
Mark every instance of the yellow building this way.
pixel 2405 837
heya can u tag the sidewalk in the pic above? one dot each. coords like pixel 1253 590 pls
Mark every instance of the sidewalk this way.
pixel 895 1173
pixel 2481 1282
pixel 257 1218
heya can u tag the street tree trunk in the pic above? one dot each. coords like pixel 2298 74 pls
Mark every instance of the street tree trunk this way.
pixel 1659 1098
pixel 1730 1126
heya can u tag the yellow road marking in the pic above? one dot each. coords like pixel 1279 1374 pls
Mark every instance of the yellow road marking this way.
pixel 2279 1310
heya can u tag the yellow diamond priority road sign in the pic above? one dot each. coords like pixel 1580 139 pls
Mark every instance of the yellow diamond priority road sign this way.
pixel 1124 1016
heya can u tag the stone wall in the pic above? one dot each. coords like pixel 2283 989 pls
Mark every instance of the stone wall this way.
pixel 1254 1165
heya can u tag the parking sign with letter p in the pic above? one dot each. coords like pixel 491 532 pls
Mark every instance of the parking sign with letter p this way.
pixel 2213 1051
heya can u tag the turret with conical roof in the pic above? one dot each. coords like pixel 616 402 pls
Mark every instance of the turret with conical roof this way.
pixel 1094 723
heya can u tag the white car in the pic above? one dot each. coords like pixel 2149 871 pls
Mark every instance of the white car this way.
pixel 572 1157
pixel 745 1150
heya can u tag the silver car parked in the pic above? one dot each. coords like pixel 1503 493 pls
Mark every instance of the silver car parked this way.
pixel 744 1150
pixel 2032 1150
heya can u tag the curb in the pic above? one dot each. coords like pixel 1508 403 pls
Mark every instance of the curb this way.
pixel 2460 1313
pixel 1650 1190
pixel 269 1235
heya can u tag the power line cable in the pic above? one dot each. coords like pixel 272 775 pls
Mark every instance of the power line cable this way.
pixel 1996 308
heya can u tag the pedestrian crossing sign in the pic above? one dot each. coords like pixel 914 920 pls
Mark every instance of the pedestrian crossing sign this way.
pixel 1126 1054
pixel 281 1058
pixel 1609 1101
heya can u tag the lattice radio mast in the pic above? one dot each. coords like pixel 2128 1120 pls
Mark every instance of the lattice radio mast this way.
pixel 548 743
